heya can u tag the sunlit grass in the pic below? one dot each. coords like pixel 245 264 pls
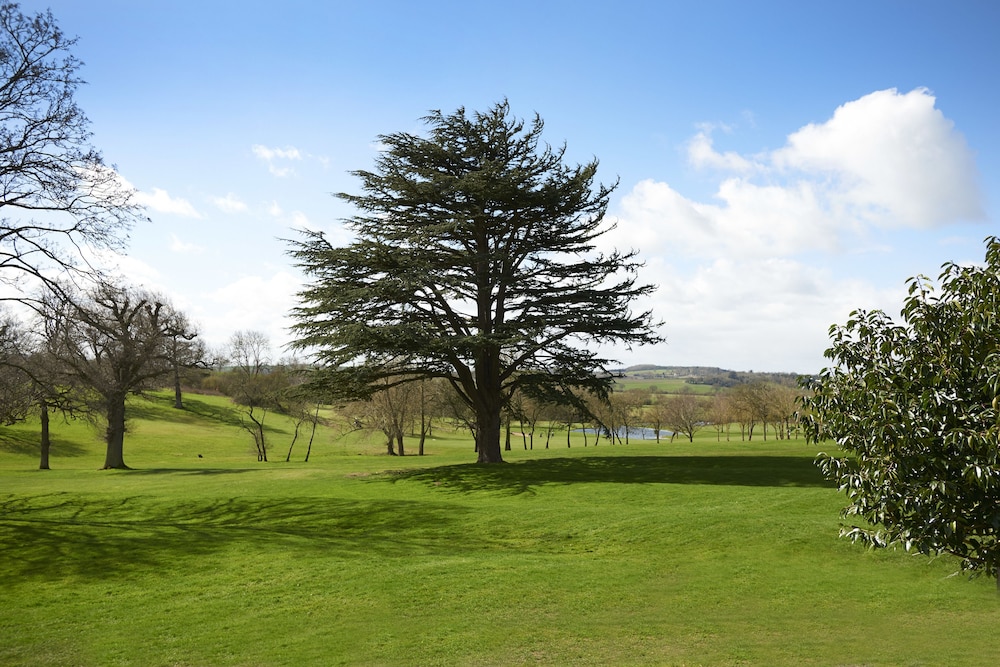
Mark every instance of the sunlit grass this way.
pixel 711 553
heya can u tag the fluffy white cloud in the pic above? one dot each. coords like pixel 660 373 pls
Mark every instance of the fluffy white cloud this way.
pixel 749 275
pixel 701 153
pixel 230 203
pixel 887 160
pixel 895 161
pixel 753 219
pixel 160 201
pixel 745 313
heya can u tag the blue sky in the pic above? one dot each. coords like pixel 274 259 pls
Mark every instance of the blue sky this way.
pixel 780 163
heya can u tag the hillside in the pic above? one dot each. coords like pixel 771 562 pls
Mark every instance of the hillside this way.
pixel 705 375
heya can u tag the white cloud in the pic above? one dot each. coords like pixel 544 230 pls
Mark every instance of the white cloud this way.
pixel 780 220
pixel 274 209
pixel 752 314
pixel 881 162
pixel 160 200
pixel 701 153
pixel 230 203
pixel 895 161
pixel 301 221
pixel 253 302
pixel 753 219
pixel 271 155
pixel 183 247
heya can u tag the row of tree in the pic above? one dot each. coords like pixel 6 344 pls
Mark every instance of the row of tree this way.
pixel 84 352
pixel 412 409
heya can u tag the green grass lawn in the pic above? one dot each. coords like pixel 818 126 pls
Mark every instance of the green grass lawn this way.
pixel 664 385
pixel 672 554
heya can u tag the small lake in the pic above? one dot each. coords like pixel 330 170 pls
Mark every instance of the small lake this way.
pixel 637 433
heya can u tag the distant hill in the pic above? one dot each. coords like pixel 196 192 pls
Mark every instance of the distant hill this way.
pixel 708 375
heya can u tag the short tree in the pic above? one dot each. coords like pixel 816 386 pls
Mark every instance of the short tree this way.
pixel 682 413
pixel 475 261
pixel 720 415
pixel 56 193
pixel 15 384
pixel 254 384
pixel 187 352
pixel 915 406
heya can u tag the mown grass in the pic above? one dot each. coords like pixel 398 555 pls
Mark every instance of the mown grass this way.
pixel 663 385
pixel 673 554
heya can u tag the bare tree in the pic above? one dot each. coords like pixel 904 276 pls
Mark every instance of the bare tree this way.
pixel 30 382
pixel 186 351
pixel 749 405
pixel 652 417
pixel 625 407
pixel 720 415
pixel 683 413
pixel 112 341
pixel 252 384
pixel 16 391
pixel 782 403
pixel 56 193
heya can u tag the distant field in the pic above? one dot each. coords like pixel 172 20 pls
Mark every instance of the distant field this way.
pixel 673 554
pixel 664 385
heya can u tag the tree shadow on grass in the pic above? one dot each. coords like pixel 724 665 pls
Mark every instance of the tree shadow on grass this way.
pixel 161 408
pixel 188 471
pixel 59 535
pixel 525 476
pixel 28 444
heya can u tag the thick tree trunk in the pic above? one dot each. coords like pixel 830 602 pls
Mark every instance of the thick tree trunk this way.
pixel 115 435
pixel 488 437
pixel 489 406
pixel 46 442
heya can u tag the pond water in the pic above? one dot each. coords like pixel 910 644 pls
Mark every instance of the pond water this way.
pixel 637 433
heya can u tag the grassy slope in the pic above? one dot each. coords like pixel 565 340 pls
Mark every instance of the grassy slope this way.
pixel 712 553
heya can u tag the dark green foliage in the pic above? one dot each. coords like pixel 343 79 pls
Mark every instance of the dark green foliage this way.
pixel 475 261
pixel 915 405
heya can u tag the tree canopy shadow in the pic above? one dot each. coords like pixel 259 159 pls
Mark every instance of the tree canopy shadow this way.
pixel 188 471
pixel 60 535
pixel 524 476
pixel 162 408
pixel 28 444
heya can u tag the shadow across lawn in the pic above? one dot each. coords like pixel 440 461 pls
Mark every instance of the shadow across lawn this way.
pixel 522 477
pixel 27 444
pixel 188 471
pixel 194 410
pixel 58 535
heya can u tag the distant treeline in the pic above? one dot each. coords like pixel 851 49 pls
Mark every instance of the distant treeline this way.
pixel 715 377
